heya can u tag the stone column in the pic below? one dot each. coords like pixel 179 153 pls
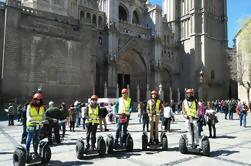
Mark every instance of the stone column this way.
pixel 117 91
pixel 128 88
pixel 148 92
pixel 93 90
pixel 170 94
pixel 161 93
pixel 138 93
pixel 178 95
pixel 105 90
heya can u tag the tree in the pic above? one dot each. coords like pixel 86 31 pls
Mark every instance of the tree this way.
pixel 240 58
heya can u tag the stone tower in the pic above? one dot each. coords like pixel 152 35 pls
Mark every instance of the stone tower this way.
pixel 200 28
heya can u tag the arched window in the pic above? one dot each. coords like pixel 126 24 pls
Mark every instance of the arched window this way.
pixel 82 16
pixel 135 19
pixel 122 13
pixel 100 20
pixel 212 75
pixel 94 19
pixel 88 17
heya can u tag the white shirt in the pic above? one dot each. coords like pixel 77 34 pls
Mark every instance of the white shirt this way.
pixel 168 112
pixel 83 110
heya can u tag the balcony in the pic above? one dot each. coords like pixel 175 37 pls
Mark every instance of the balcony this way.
pixel 135 30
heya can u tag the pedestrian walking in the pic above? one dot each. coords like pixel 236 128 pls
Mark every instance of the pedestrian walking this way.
pixel 242 110
pixel 211 119
pixel 63 118
pixel 102 118
pixel 72 117
pixel 145 117
pixel 168 116
pixel 11 114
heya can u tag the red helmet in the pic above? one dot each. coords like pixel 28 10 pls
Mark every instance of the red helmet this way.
pixel 189 90
pixel 94 97
pixel 124 90
pixel 154 92
pixel 38 96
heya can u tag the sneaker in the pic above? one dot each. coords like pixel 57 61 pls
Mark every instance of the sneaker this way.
pixel 93 148
pixel 150 142
pixel 157 141
pixel 106 129
pixel 87 147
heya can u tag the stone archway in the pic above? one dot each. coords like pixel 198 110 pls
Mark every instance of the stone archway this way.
pixel 166 81
pixel 131 69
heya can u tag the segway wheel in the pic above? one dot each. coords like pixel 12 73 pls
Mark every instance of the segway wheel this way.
pixel 164 143
pixel 101 147
pixel 205 146
pixel 144 142
pixel 110 144
pixel 45 154
pixel 19 157
pixel 182 145
pixel 80 149
pixel 129 143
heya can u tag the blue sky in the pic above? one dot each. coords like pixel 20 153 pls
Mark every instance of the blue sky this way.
pixel 238 10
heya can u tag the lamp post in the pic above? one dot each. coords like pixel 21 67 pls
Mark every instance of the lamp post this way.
pixel 201 85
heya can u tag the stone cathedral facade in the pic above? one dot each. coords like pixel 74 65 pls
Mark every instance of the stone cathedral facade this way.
pixel 75 48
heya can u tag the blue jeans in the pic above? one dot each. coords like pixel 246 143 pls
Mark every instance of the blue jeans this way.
pixel 243 118
pixel 32 135
pixel 119 128
pixel 231 115
pixel 77 119
pixel 24 134
pixel 63 127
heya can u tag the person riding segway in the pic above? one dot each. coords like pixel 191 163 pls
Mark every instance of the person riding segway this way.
pixel 154 108
pixel 123 139
pixel 191 143
pixel 35 119
pixel 92 115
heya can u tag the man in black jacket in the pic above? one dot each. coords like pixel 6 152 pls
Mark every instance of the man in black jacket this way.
pixel 53 114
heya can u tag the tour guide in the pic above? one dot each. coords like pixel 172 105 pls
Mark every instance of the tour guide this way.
pixel 123 107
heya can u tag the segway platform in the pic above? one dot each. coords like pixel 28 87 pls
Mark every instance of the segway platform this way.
pixel 163 144
pixel 20 157
pixel 126 143
pixel 203 148
pixel 82 152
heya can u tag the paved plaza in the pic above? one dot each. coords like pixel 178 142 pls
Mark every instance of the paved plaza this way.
pixel 231 147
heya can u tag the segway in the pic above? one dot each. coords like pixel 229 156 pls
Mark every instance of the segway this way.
pixel 126 141
pixel 81 151
pixel 20 157
pixel 185 147
pixel 163 144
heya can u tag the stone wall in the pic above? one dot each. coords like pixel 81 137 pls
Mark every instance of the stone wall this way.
pixel 58 55
pixel 1 32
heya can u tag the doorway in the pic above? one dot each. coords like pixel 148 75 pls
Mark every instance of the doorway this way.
pixel 123 80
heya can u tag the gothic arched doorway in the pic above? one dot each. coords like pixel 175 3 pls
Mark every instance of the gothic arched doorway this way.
pixel 132 70
pixel 166 81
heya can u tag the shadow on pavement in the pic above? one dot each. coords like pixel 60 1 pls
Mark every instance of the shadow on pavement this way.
pixel 226 136
pixel 173 149
pixel 6 153
pixel 223 153
pixel 73 163
pixel 122 154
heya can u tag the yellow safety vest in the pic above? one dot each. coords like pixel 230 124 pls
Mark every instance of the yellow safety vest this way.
pixel 157 106
pixel 191 111
pixel 124 105
pixel 93 115
pixel 35 115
